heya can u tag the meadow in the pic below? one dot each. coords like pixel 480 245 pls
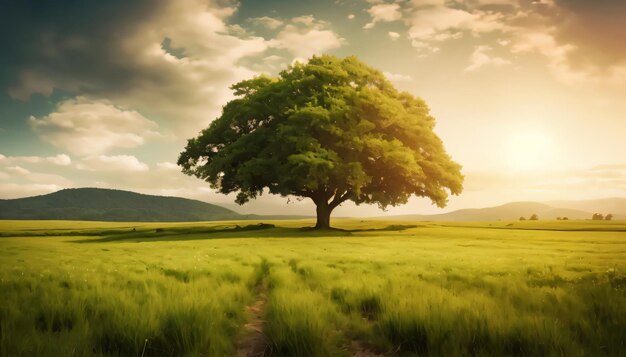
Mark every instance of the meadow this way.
pixel 371 288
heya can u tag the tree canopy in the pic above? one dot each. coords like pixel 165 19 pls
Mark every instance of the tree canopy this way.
pixel 331 130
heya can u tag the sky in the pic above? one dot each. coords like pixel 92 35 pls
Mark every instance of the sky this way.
pixel 529 96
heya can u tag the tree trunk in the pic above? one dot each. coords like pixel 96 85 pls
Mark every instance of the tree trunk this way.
pixel 323 216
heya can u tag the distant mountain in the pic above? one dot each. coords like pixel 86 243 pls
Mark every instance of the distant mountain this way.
pixel 96 204
pixel 515 210
pixel 616 206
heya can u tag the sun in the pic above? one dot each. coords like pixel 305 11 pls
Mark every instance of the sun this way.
pixel 529 150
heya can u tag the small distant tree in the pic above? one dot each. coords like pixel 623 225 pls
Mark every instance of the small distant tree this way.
pixel 608 217
pixel 565 218
pixel 597 217
pixel 558 218
pixel 534 217
pixel 522 218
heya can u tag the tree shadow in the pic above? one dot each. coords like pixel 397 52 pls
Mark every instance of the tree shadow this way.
pixel 260 230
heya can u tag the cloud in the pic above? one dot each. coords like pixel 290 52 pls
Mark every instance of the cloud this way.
pixel 398 78
pixel 305 36
pixel 480 58
pixel 60 159
pixel 383 13
pixel 18 190
pixel 116 163
pixel 595 29
pixel 582 41
pixel 393 35
pixel 544 43
pixel 115 50
pixel 18 174
pixel 500 2
pixel 597 182
pixel 87 127
pixel 168 166
pixel 266 21
pixel 18 170
pixel 438 24
pixel 351 17
pixel 613 167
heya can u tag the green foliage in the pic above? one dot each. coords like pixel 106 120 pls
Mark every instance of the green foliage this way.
pixel 331 130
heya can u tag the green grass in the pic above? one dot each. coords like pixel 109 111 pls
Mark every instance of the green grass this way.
pixel 399 289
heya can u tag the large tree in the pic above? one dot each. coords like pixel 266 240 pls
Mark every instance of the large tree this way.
pixel 331 130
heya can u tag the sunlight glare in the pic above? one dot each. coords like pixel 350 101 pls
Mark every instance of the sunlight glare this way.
pixel 529 150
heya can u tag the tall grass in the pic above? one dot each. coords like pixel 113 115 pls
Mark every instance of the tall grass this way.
pixel 430 290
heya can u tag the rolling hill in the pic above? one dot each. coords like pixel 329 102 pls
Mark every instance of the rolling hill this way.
pixel 616 206
pixel 95 204
pixel 515 210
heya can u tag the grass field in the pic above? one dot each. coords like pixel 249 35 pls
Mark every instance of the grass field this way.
pixel 373 288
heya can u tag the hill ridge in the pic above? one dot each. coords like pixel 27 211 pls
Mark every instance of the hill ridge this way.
pixel 515 210
pixel 103 204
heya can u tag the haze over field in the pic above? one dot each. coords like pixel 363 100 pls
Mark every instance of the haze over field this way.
pixel 91 204
pixel 529 96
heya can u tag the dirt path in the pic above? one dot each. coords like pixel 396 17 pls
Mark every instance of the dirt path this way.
pixel 359 350
pixel 253 342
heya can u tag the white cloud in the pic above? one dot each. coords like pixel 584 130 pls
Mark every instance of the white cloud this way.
pixel 308 21
pixel 551 184
pixel 17 170
pixel 61 160
pixel 272 58
pixel 116 163
pixel 88 127
pixel 266 21
pixel 383 13
pixel 513 3
pixel 351 17
pixel 168 166
pixel 393 35
pixel 134 71
pixel 20 175
pixel 306 36
pixel 544 43
pixel 438 24
pixel 480 58
pixel 398 78
pixel 18 190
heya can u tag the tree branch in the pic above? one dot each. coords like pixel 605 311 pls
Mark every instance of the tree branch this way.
pixel 339 199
